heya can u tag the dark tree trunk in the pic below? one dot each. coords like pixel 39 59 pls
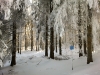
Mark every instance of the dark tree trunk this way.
pixel 18 43
pixel 60 50
pixel 20 46
pixel 80 35
pixel 89 36
pixel 41 43
pixel 85 29
pixel 36 45
pixel 20 50
pixel 20 38
pixel 56 43
pixel 31 36
pixel 52 43
pixel 13 61
pixel 25 39
pixel 85 52
pixel 51 35
pixel 46 41
pixel 51 5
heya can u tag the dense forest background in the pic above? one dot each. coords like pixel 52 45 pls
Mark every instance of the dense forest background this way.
pixel 49 25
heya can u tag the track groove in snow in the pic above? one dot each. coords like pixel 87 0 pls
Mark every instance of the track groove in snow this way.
pixel 33 63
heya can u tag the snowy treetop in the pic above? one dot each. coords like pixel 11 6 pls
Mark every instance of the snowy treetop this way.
pixel 93 4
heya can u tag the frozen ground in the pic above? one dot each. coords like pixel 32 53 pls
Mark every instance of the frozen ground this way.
pixel 34 63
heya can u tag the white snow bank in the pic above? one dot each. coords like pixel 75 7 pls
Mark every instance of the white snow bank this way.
pixel 32 63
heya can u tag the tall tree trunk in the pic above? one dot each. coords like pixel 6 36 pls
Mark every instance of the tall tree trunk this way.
pixel 18 43
pixel 85 52
pixel 41 43
pixel 31 36
pixel 38 41
pixel 89 36
pixel 85 28
pixel 80 34
pixel 46 41
pixel 20 47
pixel 13 61
pixel 36 45
pixel 25 39
pixel 52 43
pixel 56 43
pixel 51 34
pixel 60 50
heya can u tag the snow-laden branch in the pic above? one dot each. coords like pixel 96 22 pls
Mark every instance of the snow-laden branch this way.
pixel 61 19
pixel 65 15
pixel 93 4
pixel 5 6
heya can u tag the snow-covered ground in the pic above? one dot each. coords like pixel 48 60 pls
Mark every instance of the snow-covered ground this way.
pixel 34 63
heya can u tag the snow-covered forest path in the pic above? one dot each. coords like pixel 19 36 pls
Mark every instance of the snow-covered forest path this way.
pixel 34 63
